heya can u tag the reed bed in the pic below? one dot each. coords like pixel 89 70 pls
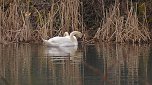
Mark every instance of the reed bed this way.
pixel 25 21
pixel 30 20
pixel 123 28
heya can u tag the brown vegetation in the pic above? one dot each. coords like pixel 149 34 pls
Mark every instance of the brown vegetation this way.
pixel 22 22
pixel 126 28
pixel 30 20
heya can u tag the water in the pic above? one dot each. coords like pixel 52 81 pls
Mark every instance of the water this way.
pixel 100 64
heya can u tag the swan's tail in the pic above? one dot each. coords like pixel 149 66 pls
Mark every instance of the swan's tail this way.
pixel 45 41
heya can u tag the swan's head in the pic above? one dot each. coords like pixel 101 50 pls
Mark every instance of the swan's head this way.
pixel 76 33
pixel 79 34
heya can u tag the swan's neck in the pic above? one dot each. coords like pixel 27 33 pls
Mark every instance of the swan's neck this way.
pixel 76 33
pixel 73 38
pixel 73 33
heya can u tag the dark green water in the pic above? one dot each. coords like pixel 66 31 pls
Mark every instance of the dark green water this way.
pixel 100 64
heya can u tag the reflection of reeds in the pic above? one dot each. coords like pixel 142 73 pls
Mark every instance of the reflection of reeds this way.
pixel 118 28
pixel 124 62
pixel 15 60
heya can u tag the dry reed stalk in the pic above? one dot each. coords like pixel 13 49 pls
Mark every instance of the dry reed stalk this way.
pixel 70 15
pixel 42 28
pixel 47 26
pixel 123 29
pixel 14 26
pixel 64 15
pixel 0 27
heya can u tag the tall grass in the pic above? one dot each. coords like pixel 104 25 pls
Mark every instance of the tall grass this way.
pixel 123 28
pixel 25 21
pixel 14 22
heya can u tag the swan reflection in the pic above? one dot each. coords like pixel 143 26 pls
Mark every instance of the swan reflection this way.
pixel 61 51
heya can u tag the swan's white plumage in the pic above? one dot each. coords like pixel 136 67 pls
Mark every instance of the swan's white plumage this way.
pixel 66 34
pixel 67 40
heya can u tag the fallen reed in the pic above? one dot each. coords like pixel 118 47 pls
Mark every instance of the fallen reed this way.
pixel 123 28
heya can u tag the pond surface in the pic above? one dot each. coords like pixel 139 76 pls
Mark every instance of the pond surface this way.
pixel 100 64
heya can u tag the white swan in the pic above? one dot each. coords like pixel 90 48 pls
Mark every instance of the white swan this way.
pixel 67 40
